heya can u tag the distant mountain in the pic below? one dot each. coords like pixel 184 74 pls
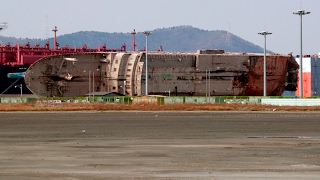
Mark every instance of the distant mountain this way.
pixel 179 38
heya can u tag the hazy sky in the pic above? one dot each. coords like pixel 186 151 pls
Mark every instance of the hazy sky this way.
pixel 244 18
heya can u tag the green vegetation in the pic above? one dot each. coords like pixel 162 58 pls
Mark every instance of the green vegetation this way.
pixel 150 103
pixel 180 38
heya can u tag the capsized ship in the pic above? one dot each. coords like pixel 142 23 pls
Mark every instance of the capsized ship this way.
pixel 204 72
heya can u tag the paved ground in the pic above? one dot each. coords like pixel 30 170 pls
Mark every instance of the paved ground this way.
pixel 159 145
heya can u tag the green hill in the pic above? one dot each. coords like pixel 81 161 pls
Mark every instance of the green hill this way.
pixel 179 38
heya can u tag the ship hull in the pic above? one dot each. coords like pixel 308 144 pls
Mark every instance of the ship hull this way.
pixel 208 72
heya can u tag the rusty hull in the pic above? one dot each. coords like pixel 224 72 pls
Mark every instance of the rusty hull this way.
pixel 206 72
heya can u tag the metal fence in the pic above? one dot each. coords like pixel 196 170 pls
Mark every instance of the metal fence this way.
pixel 139 99
pixel 279 101
pixel 291 102
pixel 16 99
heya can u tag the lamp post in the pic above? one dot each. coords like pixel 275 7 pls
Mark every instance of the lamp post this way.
pixel 93 85
pixel 265 33
pixel 93 89
pixel 147 33
pixel 168 92
pixel 124 87
pixel 206 85
pixel 89 84
pixel 300 13
pixel 209 84
pixel 20 86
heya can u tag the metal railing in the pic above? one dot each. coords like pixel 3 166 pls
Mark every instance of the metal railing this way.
pixel 160 100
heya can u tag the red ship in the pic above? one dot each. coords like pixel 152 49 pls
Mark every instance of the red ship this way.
pixel 18 58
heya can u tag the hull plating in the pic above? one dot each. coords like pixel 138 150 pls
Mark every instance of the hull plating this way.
pixel 206 72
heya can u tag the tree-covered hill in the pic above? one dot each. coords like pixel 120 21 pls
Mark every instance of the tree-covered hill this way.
pixel 179 38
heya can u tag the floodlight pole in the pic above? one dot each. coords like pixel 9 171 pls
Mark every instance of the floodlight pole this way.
pixel 300 13
pixel 89 86
pixel 21 90
pixel 168 92
pixel 93 85
pixel 20 86
pixel 265 33
pixel 147 33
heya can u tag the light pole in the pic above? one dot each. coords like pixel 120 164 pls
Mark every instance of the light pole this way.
pixel 89 87
pixel 124 87
pixel 93 85
pixel 89 84
pixel 168 92
pixel 300 13
pixel 206 85
pixel 265 33
pixel 209 84
pixel 147 33
pixel 20 86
